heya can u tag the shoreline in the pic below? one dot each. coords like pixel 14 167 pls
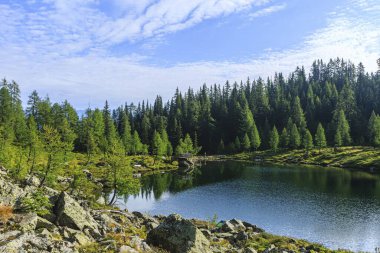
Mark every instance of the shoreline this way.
pixel 326 158
pixel 72 225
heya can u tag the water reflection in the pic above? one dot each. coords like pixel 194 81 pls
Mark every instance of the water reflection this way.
pixel 308 178
pixel 333 206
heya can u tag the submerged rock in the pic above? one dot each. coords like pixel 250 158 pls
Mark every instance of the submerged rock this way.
pixel 178 235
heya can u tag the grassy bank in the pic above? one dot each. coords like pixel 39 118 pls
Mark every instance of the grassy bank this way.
pixel 357 157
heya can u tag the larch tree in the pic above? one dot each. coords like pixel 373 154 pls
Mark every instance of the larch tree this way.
pixel 320 137
pixel 274 139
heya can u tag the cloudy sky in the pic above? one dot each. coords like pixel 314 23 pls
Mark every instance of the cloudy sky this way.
pixel 127 50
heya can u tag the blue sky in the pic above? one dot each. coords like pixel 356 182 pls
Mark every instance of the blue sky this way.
pixel 127 50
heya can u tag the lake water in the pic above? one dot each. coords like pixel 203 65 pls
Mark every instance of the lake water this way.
pixel 335 207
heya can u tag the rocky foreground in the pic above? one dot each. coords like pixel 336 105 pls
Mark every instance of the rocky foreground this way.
pixel 72 226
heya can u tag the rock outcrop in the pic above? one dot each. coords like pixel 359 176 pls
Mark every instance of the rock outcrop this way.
pixel 69 213
pixel 178 235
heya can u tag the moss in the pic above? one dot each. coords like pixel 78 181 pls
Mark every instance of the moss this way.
pixel 262 241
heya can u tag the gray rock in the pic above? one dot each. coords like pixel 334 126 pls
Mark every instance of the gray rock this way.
pixel 242 236
pixel 254 228
pixel 43 223
pixel 9 193
pixel 75 236
pixel 69 213
pixel 101 200
pixel 206 232
pixel 33 181
pixel 179 235
pixel 228 227
pixel 224 235
pixel 139 244
pixel 28 222
pixel 250 250
pixel 127 249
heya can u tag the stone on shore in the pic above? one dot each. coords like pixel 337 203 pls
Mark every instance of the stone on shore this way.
pixel 178 235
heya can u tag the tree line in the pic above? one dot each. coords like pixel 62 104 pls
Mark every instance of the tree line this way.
pixel 335 104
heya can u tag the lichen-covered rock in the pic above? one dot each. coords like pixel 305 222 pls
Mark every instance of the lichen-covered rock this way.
pixel 127 249
pixel 19 242
pixel 10 192
pixel 69 213
pixel 28 222
pixel 178 235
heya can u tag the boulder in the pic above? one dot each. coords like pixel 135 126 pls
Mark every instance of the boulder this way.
pixel 9 193
pixel 249 250
pixel 69 213
pixel 75 236
pixel 28 222
pixel 127 249
pixel 242 236
pixel 139 244
pixel 178 235
pixel 233 225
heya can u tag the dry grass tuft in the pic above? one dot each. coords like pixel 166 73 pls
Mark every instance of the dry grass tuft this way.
pixel 6 212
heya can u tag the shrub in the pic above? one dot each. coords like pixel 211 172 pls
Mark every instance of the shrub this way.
pixel 37 202
pixel 6 212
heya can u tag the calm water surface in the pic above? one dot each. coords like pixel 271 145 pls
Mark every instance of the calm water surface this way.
pixel 335 207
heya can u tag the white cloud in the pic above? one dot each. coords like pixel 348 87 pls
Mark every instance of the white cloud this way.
pixel 267 11
pixel 51 63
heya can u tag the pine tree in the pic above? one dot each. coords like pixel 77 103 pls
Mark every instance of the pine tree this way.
pixel 67 137
pixel 298 114
pixel 237 144
pixel 52 146
pixel 274 139
pixel 284 138
pixel 136 146
pixel 221 148
pixel 294 137
pixel 246 144
pixel 255 137
pixel 158 146
pixel 320 137
pixel 126 135
pixel 342 132
pixel 34 142
pixel 308 141
pixel 374 129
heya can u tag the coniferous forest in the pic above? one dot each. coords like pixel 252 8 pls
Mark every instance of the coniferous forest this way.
pixel 331 104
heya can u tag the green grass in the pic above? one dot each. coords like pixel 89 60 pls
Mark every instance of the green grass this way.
pixel 356 157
